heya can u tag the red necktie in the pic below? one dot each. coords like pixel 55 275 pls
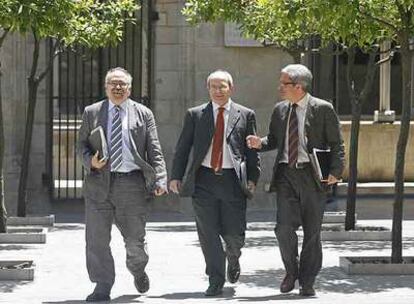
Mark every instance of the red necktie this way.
pixel 217 152
pixel 293 137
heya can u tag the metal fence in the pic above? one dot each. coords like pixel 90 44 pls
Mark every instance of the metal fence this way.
pixel 76 81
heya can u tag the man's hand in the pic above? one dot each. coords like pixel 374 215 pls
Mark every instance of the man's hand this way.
pixel 160 191
pixel 175 186
pixel 332 180
pixel 96 163
pixel 251 186
pixel 253 142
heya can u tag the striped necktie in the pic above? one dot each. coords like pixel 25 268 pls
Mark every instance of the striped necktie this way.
pixel 293 137
pixel 116 140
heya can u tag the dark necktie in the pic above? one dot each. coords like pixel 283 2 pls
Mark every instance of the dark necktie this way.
pixel 116 140
pixel 217 151
pixel 293 137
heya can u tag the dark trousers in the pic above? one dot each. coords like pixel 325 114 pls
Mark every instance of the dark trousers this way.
pixel 127 207
pixel 299 203
pixel 220 211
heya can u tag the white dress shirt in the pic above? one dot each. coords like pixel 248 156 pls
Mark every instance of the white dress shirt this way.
pixel 227 162
pixel 128 162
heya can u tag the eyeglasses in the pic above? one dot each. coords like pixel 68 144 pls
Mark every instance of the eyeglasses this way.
pixel 118 83
pixel 287 83
pixel 218 88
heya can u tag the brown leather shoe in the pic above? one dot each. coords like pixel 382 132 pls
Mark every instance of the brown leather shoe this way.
pixel 306 291
pixel 288 283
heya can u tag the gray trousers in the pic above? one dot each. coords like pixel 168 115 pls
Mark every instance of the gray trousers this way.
pixel 127 207
pixel 299 203
pixel 220 211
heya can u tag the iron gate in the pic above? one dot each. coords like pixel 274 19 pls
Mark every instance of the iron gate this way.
pixel 77 80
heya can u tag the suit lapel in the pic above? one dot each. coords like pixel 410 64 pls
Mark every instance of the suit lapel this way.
pixel 103 117
pixel 234 117
pixel 309 115
pixel 207 121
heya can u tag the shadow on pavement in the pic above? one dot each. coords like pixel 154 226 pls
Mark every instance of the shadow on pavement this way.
pixel 9 286
pixel 359 246
pixel 16 247
pixel 172 228
pixel 121 299
pixel 263 241
pixel 228 292
pixel 277 297
pixel 331 279
pixel 61 227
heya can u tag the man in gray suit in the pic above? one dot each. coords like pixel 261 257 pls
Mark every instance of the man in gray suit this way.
pixel 117 189
pixel 222 172
pixel 299 124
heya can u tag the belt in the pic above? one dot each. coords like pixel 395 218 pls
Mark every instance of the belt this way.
pixel 297 166
pixel 221 172
pixel 124 174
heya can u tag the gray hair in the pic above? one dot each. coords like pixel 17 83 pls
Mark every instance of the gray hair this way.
pixel 222 75
pixel 119 69
pixel 299 74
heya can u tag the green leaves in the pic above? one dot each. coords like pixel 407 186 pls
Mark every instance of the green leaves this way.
pixel 92 23
pixel 351 22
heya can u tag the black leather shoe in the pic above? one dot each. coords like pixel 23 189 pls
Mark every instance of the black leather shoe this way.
pixel 288 283
pixel 98 297
pixel 233 271
pixel 142 283
pixel 214 290
pixel 306 291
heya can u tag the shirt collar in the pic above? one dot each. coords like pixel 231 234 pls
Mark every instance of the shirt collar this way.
pixel 303 102
pixel 111 105
pixel 226 106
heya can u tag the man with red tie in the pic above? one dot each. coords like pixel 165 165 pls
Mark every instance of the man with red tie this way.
pixel 222 173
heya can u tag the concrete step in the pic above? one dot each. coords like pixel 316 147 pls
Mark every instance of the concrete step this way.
pixel 375 188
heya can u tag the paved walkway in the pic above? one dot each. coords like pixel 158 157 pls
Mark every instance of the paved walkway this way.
pixel 176 269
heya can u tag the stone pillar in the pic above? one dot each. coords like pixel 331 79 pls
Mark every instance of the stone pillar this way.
pixel 384 114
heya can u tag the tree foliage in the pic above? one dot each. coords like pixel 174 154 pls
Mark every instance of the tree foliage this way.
pixel 91 23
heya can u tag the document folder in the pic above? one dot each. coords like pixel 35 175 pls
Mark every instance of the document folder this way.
pixel 97 142
pixel 321 163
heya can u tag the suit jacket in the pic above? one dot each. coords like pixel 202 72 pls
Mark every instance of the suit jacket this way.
pixel 145 145
pixel 322 130
pixel 196 137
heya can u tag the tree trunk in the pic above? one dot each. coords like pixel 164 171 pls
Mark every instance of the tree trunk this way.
pixel 357 101
pixel 406 59
pixel 3 212
pixel 33 85
pixel 353 167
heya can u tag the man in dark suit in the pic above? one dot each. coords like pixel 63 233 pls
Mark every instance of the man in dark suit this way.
pixel 223 171
pixel 117 189
pixel 298 124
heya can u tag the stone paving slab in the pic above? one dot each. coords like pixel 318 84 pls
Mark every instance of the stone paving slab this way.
pixel 176 269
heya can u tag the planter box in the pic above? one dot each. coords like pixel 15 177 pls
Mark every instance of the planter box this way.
pixel 355 235
pixel 376 265
pixel 47 220
pixel 18 235
pixel 16 270
pixel 338 217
